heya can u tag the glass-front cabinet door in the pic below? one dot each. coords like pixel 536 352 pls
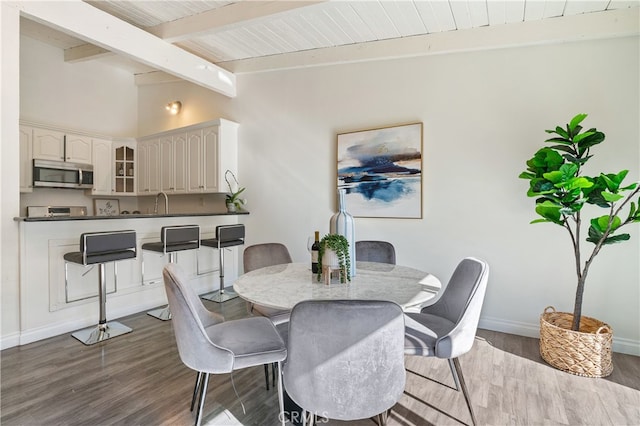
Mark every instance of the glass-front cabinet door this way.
pixel 124 173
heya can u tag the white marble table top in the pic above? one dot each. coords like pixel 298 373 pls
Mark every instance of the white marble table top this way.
pixel 282 286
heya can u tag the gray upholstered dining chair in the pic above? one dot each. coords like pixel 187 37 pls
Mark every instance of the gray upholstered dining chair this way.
pixel 345 358
pixel 210 345
pixel 375 251
pixel 259 256
pixel 447 328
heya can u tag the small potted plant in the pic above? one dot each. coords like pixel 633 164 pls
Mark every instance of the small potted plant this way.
pixel 233 200
pixel 572 342
pixel 335 245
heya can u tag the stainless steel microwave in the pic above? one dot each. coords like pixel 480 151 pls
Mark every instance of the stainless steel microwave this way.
pixel 62 174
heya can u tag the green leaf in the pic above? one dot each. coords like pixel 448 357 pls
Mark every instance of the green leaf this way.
pixel 610 197
pixel 581 136
pixel 559 131
pixel 593 139
pixel 576 120
pixel 550 211
pixel 617 239
pixel 601 223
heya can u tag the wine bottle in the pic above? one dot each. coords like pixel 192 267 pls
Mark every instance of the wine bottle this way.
pixel 315 250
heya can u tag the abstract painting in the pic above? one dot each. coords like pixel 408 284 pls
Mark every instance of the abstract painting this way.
pixel 381 171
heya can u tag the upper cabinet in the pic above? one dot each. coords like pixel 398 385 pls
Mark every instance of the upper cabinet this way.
pixel 101 167
pixel 59 146
pixel 148 163
pixel 191 159
pixel 124 168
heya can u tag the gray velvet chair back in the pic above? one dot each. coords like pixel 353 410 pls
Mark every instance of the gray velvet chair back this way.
pixel 345 357
pixel 375 251
pixel 196 350
pixel 461 304
pixel 260 255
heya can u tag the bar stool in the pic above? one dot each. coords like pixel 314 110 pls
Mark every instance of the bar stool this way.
pixel 226 236
pixel 100 248
pixel 172 240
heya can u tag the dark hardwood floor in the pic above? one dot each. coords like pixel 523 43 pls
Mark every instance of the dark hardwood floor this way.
pixel 138 379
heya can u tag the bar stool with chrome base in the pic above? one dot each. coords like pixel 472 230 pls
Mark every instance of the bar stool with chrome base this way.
pixel 172 240
pixel 100 248
pixel 226 236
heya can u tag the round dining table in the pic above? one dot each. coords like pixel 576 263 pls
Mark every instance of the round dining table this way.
pixel 283 286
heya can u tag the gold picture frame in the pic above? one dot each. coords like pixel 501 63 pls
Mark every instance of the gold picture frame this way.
pixel 106 207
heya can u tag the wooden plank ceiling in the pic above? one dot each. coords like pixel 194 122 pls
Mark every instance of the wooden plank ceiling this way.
pixel 224 32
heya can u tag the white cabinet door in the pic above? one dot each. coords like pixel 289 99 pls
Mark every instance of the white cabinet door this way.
pixel 102 176
pixel 26 157
pixel 180 163
pixel 143 168
pixel 202 152
pixel 167 176
pixel 148 167
pixel 77 149
pixel 210 162
pixel 154 166
pixel 194 161
pixel 48 144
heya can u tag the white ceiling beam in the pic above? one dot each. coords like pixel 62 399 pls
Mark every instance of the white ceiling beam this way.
pixel 589 26
pixel 154 77
pixel 84 21
pixel 85 52
pixel 229 16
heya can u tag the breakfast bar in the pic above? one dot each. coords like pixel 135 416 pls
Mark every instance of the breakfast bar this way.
pixel 51 305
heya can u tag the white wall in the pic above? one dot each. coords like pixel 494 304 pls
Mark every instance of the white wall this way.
pixel 88 96
pixel 484 115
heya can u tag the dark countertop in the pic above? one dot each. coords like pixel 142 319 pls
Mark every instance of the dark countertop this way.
pixel 122 216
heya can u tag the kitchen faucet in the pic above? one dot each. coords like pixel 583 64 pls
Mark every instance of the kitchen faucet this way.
pixel 166 203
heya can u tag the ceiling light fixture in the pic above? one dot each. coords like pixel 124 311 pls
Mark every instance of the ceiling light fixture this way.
pixel 174 107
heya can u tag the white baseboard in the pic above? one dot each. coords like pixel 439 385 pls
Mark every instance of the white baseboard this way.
pixel 9 341
pixel 620 344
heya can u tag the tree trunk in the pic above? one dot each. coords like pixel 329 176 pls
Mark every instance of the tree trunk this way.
pixel 577 306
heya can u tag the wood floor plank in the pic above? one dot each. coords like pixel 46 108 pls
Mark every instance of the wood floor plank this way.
pixel 138 379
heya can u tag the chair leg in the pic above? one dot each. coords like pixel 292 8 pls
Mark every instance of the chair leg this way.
pixel 203 394
pixel 281 395
pixel 459 378
pixel 274 367
pixel 195 389
pixel 266 375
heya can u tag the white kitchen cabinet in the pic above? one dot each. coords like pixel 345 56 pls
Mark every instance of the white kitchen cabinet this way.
pixel 59 146
pixel 148 166
pixel 124 168
pixel 26 159
pixel 191 159
pixel 211 150
pixel 77 148
pixel 101 153
pixel 173 163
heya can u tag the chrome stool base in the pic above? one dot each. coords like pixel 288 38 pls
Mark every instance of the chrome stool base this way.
pixel 98 333
pixel 163 314
pixel 219 297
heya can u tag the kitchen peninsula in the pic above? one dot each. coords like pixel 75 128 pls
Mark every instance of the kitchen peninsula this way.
pixel 51 305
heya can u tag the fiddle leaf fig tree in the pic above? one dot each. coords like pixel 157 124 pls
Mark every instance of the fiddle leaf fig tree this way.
pixel 561 190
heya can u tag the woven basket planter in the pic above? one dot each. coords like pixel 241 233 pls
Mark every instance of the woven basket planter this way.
pixel 585 353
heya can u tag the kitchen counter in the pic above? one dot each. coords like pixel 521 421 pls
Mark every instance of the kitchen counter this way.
pixel 123 216
pixel 61 298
